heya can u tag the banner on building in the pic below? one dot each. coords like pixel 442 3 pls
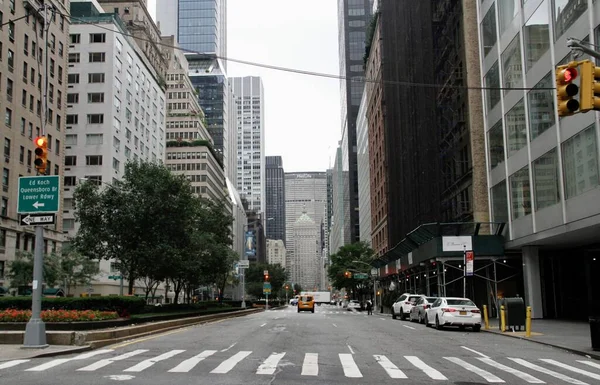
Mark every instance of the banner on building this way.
pixel 250 244
pixel 469 263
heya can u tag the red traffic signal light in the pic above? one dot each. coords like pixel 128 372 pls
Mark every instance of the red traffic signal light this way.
pixel 566 90
pixel 569 74
pixel 266 277
pixel 41 154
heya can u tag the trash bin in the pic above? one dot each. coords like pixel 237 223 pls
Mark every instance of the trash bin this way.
pixel 515 312
pixel 595 332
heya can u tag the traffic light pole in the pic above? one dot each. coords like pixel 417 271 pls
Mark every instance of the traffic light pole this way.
pixel 575 45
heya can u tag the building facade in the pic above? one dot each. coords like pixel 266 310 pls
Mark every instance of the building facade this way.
pixel 276 252
pixel 115 106
pixel 353 20
pixel 304 264
pixel 249 100
pixel 23 81
pixel 542 170
pixel 363 172
pixel 275 200
pixel 340 233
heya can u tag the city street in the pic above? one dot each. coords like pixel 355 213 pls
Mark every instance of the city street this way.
pixel 331 346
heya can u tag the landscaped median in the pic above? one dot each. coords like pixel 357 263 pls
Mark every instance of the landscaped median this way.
pixel 100 321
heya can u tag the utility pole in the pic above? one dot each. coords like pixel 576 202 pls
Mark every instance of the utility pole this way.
pixel 35 331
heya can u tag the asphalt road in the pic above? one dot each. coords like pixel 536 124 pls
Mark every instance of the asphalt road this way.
pixel 331 346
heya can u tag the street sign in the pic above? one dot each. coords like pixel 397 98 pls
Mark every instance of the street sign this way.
pixel 267 285
pixel 243 264
pixel 115 277
pixel 266 272
pixel 361 276
pixel 37 219
pixel 38 194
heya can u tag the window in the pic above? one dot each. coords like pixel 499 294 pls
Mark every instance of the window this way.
pixel 488 30
pixel 8 117
pixel 516 130
pixel 74 57
pixel 29 157
pixel 93 160
pixel 496 142
pixel 537 35
pixel 75 38
pixel 97 57
pixel 68 224
pixel 5 178
pixel 96 97
pixel 566 12
pixel 71 139
pixel 68 204
pixel 95 179
pixel 96 78
pixel 541 107
pixel 61 49
pixel 94 139
pixel 580 162
pixel 11 60
pixel 60 75
pixel 57 146
pixel 70 160
pixel 72 98
pixel 72 119
pixel 97 37
pixel 545 179
pixel 116 164
pixel 95 118
pixel 520 193
pixel 25 44
pixel 6 147
pixel 9 89
pixel 73 78
pixel 70 181
pixel 11 31
pixel 511 65
pixel 4 208
pixel 21 154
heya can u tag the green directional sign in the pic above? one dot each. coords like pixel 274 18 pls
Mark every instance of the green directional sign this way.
pixel 39 194
pixel 267 288
pixel 361 276
pixel 115 277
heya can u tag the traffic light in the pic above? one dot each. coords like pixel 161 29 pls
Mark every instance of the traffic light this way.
pixel 41 154
pixel 589 97
pixel 266 277
pixel 566 89
pixel 348 274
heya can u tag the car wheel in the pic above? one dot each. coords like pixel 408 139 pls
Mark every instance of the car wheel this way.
pixel 393 314
pixel 402 315
pixel 476 328
pixel 427 321
pixel 313 310
pixel 420 319
pixel 437 323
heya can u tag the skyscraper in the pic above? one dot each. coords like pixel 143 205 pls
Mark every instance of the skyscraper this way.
pixel 249 100
pixel 354 16
pixel 275 190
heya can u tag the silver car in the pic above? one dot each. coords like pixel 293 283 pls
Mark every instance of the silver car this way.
pixel 418 312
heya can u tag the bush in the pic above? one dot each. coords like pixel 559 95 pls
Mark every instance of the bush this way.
pixel 124 305
pixel 12 315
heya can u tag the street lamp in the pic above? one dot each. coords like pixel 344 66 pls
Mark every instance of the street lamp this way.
pixel 374 284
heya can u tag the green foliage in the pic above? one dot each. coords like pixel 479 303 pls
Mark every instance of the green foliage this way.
pixel 122 305
pixel 369 37
pixel 75 269
pixel 21 269
pixel 255 278
pixel 297 288
pixel 343 261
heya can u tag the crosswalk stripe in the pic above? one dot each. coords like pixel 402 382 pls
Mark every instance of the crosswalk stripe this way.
pixel 107 361
pixel 310 366
pixel 391 369
pixel 270 364
pixel 231 362
pixel 349 366
pixel 590 363
pixel 12 363
pixel 60 361
pixel 431 372
pixel 522 375
pixel 549 372
pixel 489 377
pixel 571 368
pixel 190 363
pixel 151 361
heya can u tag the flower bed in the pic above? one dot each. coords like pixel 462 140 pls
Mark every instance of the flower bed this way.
pixel 12 315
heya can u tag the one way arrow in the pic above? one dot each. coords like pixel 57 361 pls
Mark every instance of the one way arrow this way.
pixel 37 204
pixel 27 220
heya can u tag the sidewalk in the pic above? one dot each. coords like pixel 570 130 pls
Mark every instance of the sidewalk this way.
pixel 573 336
pixel 16 352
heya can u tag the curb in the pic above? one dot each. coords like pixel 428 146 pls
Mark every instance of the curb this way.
pixel 570 350
pixel 80 349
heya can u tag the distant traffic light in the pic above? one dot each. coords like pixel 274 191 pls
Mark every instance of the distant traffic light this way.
pixel 266 277
pixel 41 154
pixel 567 89
pixel 348 274
pixel 589 97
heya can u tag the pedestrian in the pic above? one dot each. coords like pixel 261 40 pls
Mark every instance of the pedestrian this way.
pixel 369 307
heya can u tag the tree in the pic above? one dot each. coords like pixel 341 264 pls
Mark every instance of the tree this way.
pixel 255 278
pixel 21 269
pixel 297 288
pixel 75 269
pixel 343 261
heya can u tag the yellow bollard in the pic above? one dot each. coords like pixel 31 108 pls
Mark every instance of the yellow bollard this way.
pixel 486 320
pixel 502 319
pixel 528 322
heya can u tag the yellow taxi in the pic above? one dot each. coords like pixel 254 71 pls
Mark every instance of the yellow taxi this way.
pixel 306 302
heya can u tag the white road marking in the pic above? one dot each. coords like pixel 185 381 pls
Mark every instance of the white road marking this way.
pixel 107 361
pixel 475 351
pixel 431 372
pixel 12 363
pixel 546 371
pixel 190 363
pixel 270 364
pixel 489 377
pixel 522 375
pixel 349 366
pixel 590 363
pixel 350 347
pixel 409 327
pixel 230 346
pixel 310 367
pixel 382 319
pixel 334 325
pixel 231 362
pixel 61 361
pixel 151 361
pixel 262 325
pixel 571 368
pixel 391 369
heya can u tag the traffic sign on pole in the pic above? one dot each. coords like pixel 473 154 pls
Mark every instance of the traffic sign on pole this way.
pixel 37 219
pixel 38 194
pixel 243 264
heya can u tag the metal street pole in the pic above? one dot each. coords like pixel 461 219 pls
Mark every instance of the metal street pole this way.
pixel 243 288
pixel 121 286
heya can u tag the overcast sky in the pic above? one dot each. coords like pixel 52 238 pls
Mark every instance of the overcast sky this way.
pixel 302 112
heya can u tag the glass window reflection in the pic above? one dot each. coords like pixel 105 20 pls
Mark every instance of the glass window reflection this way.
pixel 580 162
pixel 541 107
pixel 499 203
pixel 516 130
pixel 511 65
pixel 507 11
pixel 520 193
pixel 545 176
pixel 488 30
pixel 566 12
pixel 537 35
pixel 496 142
pixel 492 80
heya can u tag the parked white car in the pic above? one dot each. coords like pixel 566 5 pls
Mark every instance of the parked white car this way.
pixel 418 311
pixel 353 305
pixel 453 311
pixel 403 305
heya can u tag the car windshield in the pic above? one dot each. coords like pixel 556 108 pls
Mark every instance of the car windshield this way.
pixel 431 299
pixel 414 299
pixel 463 302
pixel 306 298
